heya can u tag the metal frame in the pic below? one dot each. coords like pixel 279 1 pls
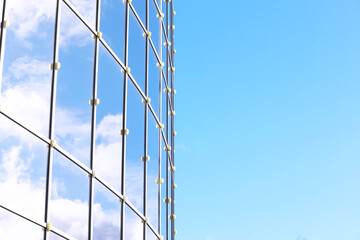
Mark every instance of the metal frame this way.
pixel 2 40
pixel 166 77
pixel 160 119
pixel 52 117
pixel 145 159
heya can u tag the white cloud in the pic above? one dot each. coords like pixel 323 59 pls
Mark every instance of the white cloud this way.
pixel 16 228
pixel 71 29
pixel 26 67
pixel 72 216
pixel 26 18
pixel 136 227
pixel 15 182
pixel 26 96
pixel 72 132
pixel 109 128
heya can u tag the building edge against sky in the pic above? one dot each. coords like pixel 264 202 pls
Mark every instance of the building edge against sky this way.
pixel 49 147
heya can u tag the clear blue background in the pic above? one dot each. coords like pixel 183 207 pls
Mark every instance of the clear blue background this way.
pixel 268 116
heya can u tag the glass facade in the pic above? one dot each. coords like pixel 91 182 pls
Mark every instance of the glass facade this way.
pixel 87 119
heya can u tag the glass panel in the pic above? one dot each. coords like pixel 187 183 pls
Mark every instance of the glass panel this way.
pixel 135 148
pixel 23 160
pixel 154 87
pixel 54 236
pixel 154 25
pixel 87 8
pixel 133 225
pixel 69 201
pixel 153 169
pixel 164 170
pixel 153 69
pixel 106 214
pixel 113 12
pixel 73 31
pixel 25 91
pixel 137 53
pixel 139 7
pixel 150 235
pixel 74 90
pixel 109 120
pixel 13 227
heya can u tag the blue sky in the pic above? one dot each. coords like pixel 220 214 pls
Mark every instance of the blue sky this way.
pixel 266 113
pixel 268 119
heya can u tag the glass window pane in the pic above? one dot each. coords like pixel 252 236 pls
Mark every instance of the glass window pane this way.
pixel 152 173
pixel 14 227
pixel 136 56
pixel 69 206
pixel 74 90
pixel 23 161
pixel 109 120
pixel 25 90
pixel 139 7
pixel 106 214
pixel 87 8
pixel 154 26
pixel 133 225
pixel 135 148
pixel 54 236
pixel 113 12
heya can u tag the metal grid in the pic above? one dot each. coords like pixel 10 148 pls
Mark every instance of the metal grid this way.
pixel 166 132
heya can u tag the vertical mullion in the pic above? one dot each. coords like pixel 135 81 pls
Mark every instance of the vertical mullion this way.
pixel 123 153
pixel 93 122
pixel 146 113
pixel 51 117
pixel 2 42
pixel 167 122
pixel 172 116
pixel 160 120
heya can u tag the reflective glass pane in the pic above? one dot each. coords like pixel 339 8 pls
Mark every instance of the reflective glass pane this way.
pixel 135 148
pixel 14 227
pixel 133 225
pixel 73 31
pixel 139 7
pixel 25 90
pixel 54 236
pixel 154 87
pixel 136 58
pixel 109 120
pixel 74 90
pixel 113 11
pixel 154 25
pixel 87 8
pixel 150 235
pixel 152 173
pixel 165 192
pixel 70 195
pixel 106 214
pixel 23 161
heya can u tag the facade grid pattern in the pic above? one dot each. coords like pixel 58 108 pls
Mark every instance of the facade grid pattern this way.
pixel 165 124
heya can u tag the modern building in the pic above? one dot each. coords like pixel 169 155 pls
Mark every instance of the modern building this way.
pixel 87 119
